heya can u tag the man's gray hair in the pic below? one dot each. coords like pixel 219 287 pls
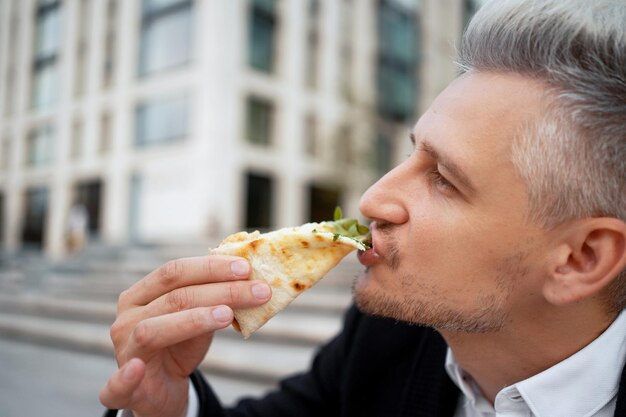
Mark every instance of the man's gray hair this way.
pixel 574 159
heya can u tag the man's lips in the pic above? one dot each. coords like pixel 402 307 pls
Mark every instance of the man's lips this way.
pixel 369 257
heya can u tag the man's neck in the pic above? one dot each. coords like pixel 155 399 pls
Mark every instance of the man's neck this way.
pixel 524 347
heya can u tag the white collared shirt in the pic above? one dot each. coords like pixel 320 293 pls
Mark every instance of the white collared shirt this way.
pixel 583 385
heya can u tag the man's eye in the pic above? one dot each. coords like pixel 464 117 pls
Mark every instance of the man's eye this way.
pixel 440 181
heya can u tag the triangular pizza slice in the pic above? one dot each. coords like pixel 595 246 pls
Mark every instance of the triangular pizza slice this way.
pixel 290 260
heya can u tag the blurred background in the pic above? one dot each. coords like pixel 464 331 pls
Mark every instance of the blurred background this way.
pixel 137 131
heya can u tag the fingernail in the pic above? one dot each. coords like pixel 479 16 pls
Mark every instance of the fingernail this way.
pixel 222 314
pixel 260 291
pixel 240 268
pixel 129 372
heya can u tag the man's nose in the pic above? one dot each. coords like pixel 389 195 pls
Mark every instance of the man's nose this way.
pixel 387 199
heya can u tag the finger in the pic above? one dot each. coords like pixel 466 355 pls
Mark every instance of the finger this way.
pixel 236 294
pixel 157 333
pixel 191 352
pixel 119 389
pixel 184 272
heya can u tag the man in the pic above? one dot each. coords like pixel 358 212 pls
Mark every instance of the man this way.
pixel 503 233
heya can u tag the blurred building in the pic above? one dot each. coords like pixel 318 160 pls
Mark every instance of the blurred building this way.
pixel 182 120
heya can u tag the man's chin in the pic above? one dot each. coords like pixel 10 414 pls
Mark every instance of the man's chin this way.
pixel 360 281
pixel 373 301
pixel 364 287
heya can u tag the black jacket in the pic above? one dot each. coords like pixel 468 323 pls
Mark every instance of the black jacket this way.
pixel 374 368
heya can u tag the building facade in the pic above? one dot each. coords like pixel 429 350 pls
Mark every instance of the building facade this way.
pixel 185 120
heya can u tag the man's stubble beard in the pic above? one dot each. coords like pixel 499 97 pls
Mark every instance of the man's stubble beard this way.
pixel 488 314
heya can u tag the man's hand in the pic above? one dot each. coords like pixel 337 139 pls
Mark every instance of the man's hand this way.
pixel 164 327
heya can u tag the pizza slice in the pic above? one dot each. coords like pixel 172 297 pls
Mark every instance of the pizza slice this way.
pixel 291 260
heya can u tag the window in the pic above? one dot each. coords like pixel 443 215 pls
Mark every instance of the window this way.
pixel 382 154
pixel 312 47
pixel 259 201
pixel 82 47
pixel 322 202
pixel 47 45
pixel 165 35
pixel 39 146
pixel 89 194
pixel 11 59
pixel 470 7
pixel 397 60
pixel 2 220
pixel 5 156
pixel 105 133
pixel 44 87
pixel 76 143
pixel 346 50
pixel 109 44
pixel 36 208
pixel 259 123
pixel 343 145
pixel 262 34
pixel 311 136
pixel 162 121
pixel 135 208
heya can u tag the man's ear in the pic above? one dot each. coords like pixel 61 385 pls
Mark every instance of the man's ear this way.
pixel 586 257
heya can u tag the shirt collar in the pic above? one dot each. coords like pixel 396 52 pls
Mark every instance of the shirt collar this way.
pixel 586 381
pixel 579 385
pixel 458 376
pixel 467 386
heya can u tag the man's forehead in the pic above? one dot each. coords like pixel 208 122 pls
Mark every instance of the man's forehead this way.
pixel 482 109
pixel 474 120
pixel 492 96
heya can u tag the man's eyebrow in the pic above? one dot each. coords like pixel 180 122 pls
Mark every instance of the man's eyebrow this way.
pixel 444 160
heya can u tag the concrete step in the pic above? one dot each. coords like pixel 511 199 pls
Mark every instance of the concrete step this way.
pixel 86 311
pixel 249 360
pixel 104 282
pixel 88 337
pixel 321 299
pixel 103 271
pixel 291 326
pixel 255 361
